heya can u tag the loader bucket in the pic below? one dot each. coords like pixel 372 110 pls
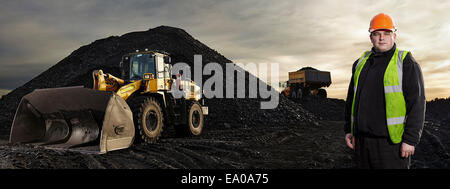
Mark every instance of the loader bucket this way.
pixel 74 118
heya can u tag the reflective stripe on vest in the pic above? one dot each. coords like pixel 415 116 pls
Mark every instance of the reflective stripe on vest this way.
pixel 393 94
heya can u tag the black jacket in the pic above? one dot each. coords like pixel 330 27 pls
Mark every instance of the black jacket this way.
pixel 370 105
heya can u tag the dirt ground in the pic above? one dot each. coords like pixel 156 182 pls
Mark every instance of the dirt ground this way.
pixel 220 146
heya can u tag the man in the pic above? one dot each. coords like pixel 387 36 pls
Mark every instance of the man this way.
pixel 385 107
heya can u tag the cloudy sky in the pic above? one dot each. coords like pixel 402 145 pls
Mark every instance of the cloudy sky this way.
pixel 328 35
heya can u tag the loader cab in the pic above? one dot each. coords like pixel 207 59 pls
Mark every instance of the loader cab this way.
pixel 140 64
pixel 135 65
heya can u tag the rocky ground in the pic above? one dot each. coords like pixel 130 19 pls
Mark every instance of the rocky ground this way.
pixel 220 147
pixel 237 134
pixel 233 145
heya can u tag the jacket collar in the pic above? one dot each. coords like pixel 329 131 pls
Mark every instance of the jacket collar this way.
pixel 375 53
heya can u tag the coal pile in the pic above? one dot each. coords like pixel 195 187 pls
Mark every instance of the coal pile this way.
pixel 237 134
pixel 433 150
pixel 331 109
pixel 106 54
pixel 438 110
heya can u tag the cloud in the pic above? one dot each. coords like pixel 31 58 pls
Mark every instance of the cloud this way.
pixel 16 74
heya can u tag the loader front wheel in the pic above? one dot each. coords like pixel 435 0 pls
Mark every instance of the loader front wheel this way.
pixel 148 118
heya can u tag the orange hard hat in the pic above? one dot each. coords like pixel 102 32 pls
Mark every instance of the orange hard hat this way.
pixel 382 21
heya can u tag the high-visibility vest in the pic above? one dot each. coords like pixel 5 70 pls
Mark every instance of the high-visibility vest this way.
pixel 393 94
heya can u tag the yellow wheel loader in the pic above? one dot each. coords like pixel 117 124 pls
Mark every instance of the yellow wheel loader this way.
pixel 115 112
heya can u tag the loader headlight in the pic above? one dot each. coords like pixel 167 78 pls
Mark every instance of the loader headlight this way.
pixel 148 76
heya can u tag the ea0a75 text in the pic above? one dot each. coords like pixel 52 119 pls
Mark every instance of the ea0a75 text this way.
pixel 246 178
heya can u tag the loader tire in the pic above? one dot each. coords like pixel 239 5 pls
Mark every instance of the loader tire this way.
pixel 148 118
pixel 195 121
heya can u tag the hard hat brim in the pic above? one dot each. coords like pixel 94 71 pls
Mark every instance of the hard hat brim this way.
pixel 390 29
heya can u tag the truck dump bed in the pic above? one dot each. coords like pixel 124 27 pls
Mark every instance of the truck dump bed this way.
pixel 312 78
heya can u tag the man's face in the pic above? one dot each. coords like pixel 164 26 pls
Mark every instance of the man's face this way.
pixel 382 40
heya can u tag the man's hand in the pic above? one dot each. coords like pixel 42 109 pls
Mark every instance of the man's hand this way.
pixel 350 140
pixel 407 150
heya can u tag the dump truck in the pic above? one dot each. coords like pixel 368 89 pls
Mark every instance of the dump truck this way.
pixel 116 112
pixel 306 81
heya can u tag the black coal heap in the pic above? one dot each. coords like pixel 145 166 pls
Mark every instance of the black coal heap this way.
pixel 106 53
